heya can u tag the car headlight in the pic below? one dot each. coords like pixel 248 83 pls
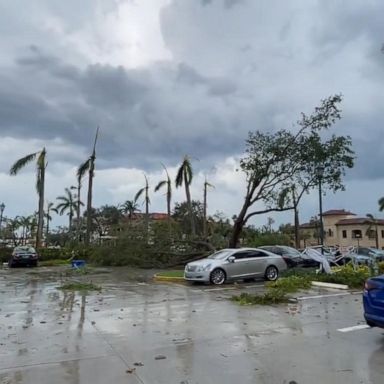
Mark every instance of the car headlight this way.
pixel 204 268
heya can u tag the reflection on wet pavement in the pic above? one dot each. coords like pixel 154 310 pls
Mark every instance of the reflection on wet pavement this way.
pixel 139 332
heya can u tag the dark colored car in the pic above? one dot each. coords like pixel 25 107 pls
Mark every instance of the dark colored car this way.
pixel 291 256
pixel 373 300
pixel 23 255
pixel 376 254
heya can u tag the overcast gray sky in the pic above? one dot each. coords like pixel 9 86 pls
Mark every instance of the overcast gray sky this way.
pixel 165 78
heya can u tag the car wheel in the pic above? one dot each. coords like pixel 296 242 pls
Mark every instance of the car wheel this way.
pixel 33 263
pixel 217 276
pixel 271 273
pixel 11 264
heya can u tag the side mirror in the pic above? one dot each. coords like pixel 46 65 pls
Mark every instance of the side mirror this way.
pixel 231 259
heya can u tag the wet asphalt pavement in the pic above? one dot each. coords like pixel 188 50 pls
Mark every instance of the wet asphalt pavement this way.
pixel 135 331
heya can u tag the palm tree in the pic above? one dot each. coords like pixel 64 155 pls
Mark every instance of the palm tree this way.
pixel 41 165
pixel 206 185
pixel 129 207
pixel 147 201
pixel 184 176
pixel 26 223
pixel 89 166
pixel 50 207
pixel 373 222
pixel 381 204
pixel 67 203
pixel 168 194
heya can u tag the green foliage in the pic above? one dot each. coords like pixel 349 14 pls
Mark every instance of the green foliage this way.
pixel 347 275
pixel 79 286
pixel 171 273
pixel 277 291
pixel 53 263
pixel 272 296
pixel 381 267
pixel 291 284
pixel 274 238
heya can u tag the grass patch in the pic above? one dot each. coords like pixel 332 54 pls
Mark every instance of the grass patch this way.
pixel 277 291
pixel 53 263
pixel 174 273
pixel 79 286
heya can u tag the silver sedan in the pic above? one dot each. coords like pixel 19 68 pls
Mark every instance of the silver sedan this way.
pixel 235 264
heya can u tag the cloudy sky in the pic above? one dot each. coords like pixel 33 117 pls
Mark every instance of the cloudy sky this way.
pixel 165 78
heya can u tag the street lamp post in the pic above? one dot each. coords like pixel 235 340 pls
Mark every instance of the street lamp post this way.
pixel 320 172
pixel 2 207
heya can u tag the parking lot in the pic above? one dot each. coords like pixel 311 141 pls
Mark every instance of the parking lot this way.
pixel 137 331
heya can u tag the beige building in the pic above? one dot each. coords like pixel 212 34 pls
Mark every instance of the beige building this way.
pixel 344 228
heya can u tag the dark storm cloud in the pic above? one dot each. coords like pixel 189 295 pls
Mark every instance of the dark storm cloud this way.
pixel 244 65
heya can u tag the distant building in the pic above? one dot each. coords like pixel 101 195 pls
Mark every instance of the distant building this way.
pixel 343 228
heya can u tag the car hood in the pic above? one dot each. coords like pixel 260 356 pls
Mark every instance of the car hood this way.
pixel 204 262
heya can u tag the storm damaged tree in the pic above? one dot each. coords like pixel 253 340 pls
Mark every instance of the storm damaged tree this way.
pixel 275 162
pixel 89 166
pixel 328 159
pixel 147 201
pixel 41 165
pixel 168 184
pixel 184 176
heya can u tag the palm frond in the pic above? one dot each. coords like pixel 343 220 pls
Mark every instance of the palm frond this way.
pixel 41 159
pixel 184 173
pixel 83 169
pixel 179 176
pixel 21 163
pixel 381 204
pixel 160 185
pixel 138 194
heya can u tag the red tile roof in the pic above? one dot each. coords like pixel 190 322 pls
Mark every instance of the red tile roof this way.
pixel 338 212
pixel 358 220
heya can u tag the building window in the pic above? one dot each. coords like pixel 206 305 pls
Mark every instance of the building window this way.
pixel 382 233
pixel 344 234
pixel 356 234
pixel 371 234
pixel 330 233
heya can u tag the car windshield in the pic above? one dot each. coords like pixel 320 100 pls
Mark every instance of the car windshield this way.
pixel 220 255
pixel 291 251
pixel 25 250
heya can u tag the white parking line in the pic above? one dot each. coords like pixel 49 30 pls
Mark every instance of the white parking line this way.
pixel 322 296
pixel 354 328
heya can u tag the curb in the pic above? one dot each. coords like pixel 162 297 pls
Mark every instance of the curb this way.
pixel 329 285
pixel 168 278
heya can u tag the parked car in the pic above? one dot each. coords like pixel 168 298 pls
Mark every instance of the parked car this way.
pixel 373 300
pixel 235 264
pixel 23 255
pixel 291 256
pixel 376 254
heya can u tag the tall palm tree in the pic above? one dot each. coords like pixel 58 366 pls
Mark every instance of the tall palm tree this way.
pixel 184 176
pixel 206 185
pixel 50 207
pixel 67 203
pixel 167 182
pixel 41 165
pixel 145 191
pixel 89 166
pixel 373 222
pixel 129 207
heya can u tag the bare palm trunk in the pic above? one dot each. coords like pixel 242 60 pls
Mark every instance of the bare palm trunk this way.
pixel 78 210
pixel 205 212
pixel 40 222
pixel 189 202
pixel 297 226
pixel 89 202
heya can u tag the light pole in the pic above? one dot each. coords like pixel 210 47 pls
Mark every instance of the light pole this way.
pixel 2 207
pixel 320 172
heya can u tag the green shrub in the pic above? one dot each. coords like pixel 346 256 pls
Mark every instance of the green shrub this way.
pixel 347 275
pixel 291 284
pixel 381 267
pixel 272 296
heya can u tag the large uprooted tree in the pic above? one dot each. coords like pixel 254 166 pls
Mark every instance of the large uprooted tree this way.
pixel 280 167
